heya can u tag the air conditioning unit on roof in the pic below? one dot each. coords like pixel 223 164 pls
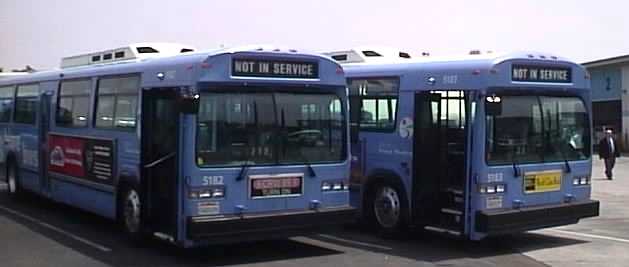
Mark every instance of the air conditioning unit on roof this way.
pixel 368 55
pixel 126 53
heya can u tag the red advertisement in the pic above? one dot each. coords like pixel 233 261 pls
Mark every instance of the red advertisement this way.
pixel 66 155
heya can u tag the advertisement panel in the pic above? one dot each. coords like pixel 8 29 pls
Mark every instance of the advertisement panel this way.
pixel 85 158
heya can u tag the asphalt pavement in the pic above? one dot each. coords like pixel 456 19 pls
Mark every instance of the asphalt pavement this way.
pixel 36 232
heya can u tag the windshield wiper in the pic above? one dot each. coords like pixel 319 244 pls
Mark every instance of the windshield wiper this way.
pixel 245 165
pixel 311 170
pixel 516 169
pixel 564 158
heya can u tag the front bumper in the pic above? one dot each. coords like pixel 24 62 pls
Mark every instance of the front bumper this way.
pixel 234 228
pixel 531 218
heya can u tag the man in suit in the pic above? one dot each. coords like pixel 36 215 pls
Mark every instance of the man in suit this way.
pixel 608 151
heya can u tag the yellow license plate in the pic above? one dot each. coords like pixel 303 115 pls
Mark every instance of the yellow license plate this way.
pixel 547 181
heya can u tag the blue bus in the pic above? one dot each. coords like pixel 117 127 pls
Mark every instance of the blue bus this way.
pixel 191 147
pixel 469 147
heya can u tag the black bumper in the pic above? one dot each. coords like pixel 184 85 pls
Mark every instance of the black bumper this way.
pixel 268 225
pixel 531 218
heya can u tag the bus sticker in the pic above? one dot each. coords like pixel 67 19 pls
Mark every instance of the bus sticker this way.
pixel 494 202
pixel 208 208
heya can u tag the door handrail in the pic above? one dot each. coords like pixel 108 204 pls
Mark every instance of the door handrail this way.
pixel 158 161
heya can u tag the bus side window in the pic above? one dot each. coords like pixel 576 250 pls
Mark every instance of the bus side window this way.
pixel 116 103
pixel 26 103
pixel 73 103
pixel 377 98
pixel 6 102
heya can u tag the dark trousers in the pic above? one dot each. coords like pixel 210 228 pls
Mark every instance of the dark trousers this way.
pixel 609 165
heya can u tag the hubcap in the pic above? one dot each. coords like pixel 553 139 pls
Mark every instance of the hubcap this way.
pixel 387 207
pixel 11 181
pixel 132 211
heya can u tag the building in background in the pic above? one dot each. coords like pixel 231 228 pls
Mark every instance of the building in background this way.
pixel 610 97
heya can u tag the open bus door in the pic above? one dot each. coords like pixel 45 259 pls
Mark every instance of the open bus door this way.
pixel 440 144
pixel 160 170
pixel 43 129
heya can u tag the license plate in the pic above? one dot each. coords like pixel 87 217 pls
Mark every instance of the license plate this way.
pixel 536 182
pixel 276 186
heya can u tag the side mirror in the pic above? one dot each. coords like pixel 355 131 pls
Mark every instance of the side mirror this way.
pixel 189 101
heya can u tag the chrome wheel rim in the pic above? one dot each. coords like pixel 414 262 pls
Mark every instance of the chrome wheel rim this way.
pixel 387 207
pixel 132 211
pixel 11 181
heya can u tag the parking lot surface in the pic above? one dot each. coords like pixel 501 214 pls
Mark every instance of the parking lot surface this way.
pixel 34 232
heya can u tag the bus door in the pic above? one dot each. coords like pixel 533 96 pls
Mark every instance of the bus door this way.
pixel 440 138
pixel 160 135
pixel 43 129
pixel 357 170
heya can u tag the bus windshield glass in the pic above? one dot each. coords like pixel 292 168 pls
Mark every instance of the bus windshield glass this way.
pixel 534 129
pixel 264 128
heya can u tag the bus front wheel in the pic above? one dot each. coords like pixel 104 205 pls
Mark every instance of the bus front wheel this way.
pixel 387 207
pixel 13 185
pixel 130 207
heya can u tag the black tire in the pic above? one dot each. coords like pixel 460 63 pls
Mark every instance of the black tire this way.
pixel 387 208
pixel 129 210
pixel 13 180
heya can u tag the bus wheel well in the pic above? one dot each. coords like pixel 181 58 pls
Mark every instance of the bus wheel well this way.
pixel 377 179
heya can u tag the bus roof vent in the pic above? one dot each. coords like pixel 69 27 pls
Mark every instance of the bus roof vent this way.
pixel 125 54
pixel 368 55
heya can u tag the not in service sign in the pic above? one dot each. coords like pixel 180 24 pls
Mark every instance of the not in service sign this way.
pixel 274 69
pixel 522 73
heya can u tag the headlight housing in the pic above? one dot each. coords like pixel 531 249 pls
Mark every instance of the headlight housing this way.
pixel 203 193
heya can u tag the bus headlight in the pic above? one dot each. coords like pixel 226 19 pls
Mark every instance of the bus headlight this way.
pixel 500 188
pixel 582 180
pixel 325 186
pixel 492 189
pixel 335 185
pixel 214 192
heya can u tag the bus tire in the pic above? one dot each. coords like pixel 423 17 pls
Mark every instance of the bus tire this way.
pixel 13 180
pixel 387 208
pixel 129 210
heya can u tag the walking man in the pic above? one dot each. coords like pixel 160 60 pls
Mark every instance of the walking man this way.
pixel 608 151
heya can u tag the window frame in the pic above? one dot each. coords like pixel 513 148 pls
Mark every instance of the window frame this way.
pixel 12 98
pixel 89 98
pixel 213 89
pixel 37 97
pixel 97 96
pixel 389 97
pixel 502 93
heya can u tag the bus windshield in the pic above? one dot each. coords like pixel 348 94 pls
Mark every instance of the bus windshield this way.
pixel 264 128
pixel 533 129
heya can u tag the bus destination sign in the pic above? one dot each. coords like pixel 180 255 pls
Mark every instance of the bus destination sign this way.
pixel 274 69
pixel 522 73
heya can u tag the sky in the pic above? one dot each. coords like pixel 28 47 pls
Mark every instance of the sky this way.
pixel 40 32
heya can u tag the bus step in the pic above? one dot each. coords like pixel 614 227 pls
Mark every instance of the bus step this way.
pixel 455 191
pixel 442 230
pixel 451 211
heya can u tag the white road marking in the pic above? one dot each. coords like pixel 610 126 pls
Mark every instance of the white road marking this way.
pixel 364 244
pixel 609 238
pixel 45 225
